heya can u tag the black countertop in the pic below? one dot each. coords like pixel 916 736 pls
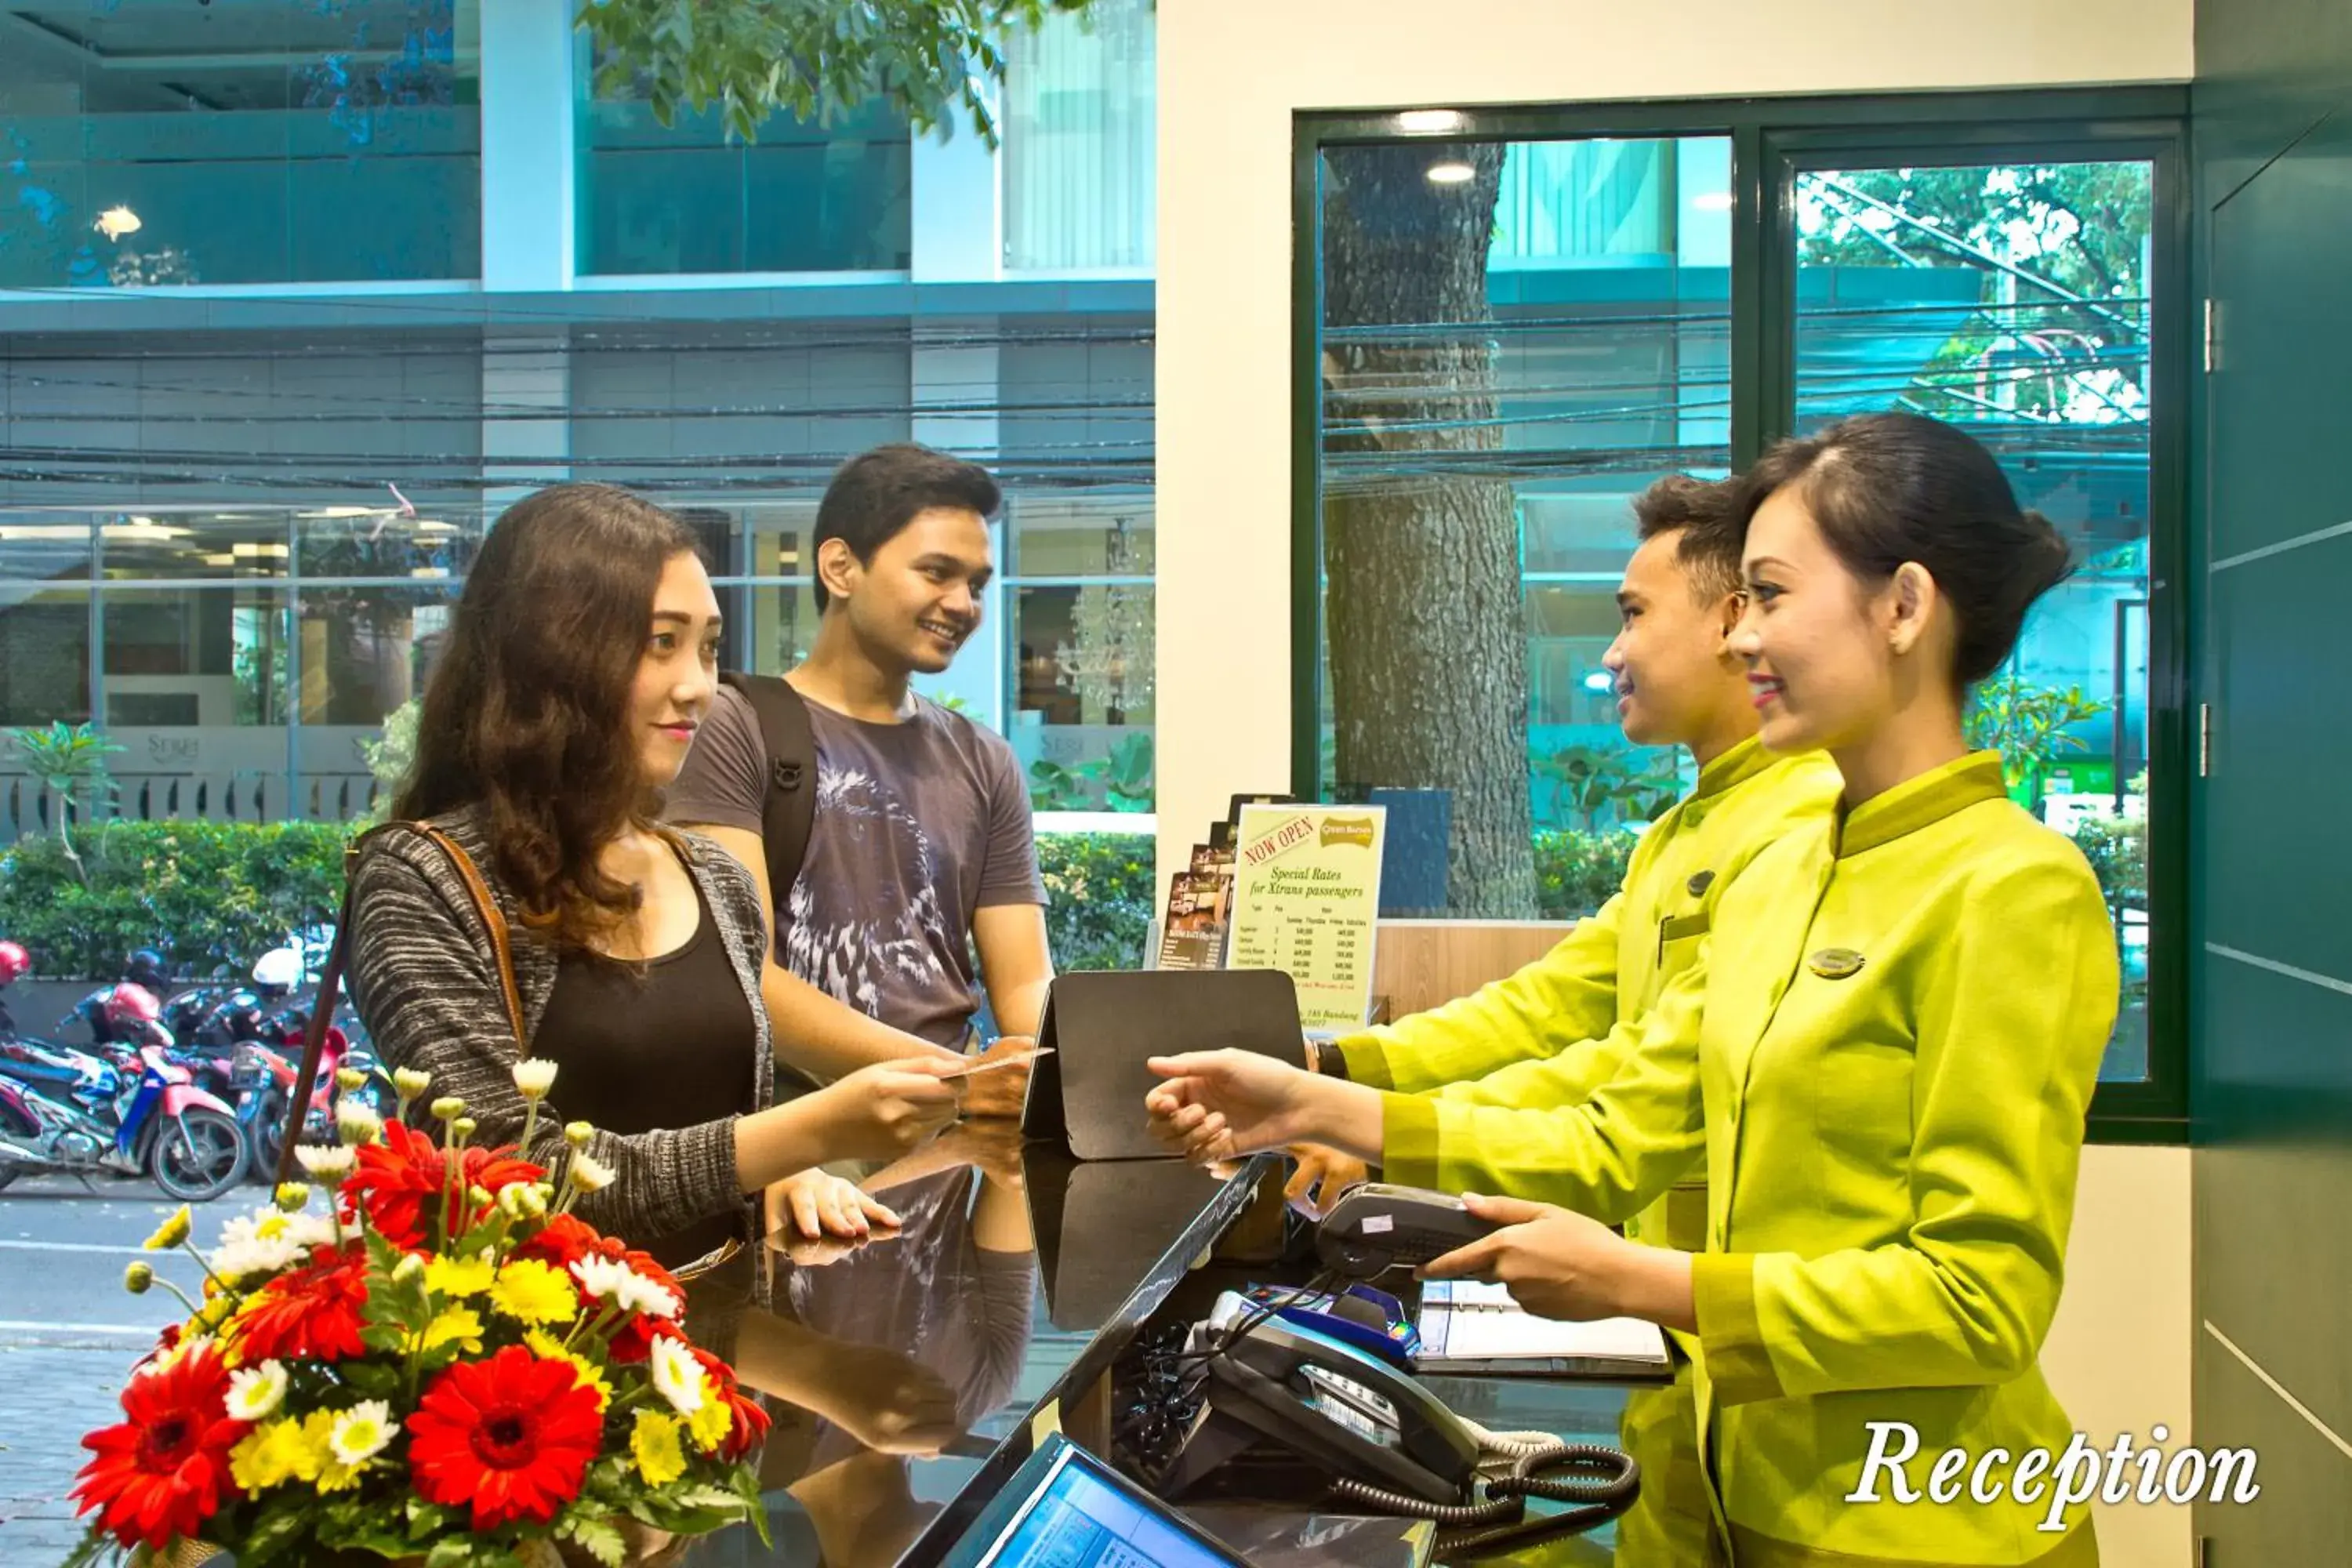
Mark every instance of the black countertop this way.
pixel 911 1376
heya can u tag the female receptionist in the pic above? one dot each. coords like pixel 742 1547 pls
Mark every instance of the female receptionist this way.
pixel 1884 1055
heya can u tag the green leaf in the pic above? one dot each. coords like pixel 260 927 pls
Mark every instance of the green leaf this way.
pixel 596 1537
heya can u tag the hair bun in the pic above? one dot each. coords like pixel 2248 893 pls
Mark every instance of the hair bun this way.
pixel 2050 551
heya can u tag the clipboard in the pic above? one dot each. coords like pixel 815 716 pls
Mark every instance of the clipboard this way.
pixel 1104 1025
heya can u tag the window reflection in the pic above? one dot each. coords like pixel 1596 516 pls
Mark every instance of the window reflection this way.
pixel 239 141
pixel 689 198
pixel 1507 359
pixel 219 657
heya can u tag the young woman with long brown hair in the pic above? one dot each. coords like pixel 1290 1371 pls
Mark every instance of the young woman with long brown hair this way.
pixel 581 657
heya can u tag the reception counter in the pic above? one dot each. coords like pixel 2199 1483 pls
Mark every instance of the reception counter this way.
pixel 911 1376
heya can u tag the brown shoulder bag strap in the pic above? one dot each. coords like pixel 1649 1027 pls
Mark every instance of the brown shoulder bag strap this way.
pixel 330 979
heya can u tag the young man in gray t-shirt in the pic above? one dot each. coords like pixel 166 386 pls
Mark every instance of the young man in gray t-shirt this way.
pixel 922 848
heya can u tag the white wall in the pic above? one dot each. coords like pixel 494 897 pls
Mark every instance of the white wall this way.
pixel 1232 74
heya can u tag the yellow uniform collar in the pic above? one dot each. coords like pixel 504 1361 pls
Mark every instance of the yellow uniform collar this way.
pixel 1916 803
pixel 1736 766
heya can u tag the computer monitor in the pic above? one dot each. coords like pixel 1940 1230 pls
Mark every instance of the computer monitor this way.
pixel 1065 1508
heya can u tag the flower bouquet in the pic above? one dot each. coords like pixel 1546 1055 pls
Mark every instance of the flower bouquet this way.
pixel 438 1363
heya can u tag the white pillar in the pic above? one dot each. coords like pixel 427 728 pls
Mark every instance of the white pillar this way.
pixel 957 212
pixel 529 112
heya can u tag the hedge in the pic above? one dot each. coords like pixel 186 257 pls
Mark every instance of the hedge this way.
pixel 213 895
pixel 210 896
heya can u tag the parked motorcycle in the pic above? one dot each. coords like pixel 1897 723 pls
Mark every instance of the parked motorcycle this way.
pixel 158 1124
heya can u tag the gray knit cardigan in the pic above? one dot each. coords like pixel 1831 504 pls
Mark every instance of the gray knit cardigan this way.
pixel 425 978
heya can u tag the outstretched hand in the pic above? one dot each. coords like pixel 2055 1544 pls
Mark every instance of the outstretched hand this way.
pixel 1561 1264
pixel 1219 1105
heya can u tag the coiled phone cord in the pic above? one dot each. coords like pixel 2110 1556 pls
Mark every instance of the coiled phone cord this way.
pixel 1608 1486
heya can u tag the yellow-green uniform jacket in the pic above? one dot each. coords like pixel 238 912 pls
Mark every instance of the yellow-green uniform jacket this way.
pixel 1887 1050
pixel 1548 1035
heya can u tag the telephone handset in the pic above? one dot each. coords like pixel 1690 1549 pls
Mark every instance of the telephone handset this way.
pixel 1348 1412
pixel 1384 1442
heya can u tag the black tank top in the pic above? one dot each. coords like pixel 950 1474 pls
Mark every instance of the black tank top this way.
pixel 666 1044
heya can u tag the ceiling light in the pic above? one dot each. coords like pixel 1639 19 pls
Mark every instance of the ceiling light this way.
pixel 428 571
pixel 1451 174
pixel 428 525
pixel 1712 201
pixel 26 532
pixel 115 222
pixel 220 559
pixel 1426 121
pixel 1600 681
pixel 335 511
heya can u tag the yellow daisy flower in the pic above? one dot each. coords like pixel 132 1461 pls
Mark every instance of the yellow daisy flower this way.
pixel 172 1232
pixel 458 1277
pixel 653 1444
pixel 711 1424
pixel 531 1291
pixel 459 1326
pixel 272 1454
pixel 585 1373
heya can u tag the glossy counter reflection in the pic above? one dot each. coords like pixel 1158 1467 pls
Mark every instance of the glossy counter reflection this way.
pixel 904 1373
pixel 896 1368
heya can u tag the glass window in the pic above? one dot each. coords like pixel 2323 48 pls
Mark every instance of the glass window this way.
pixel 2012 299
pixel 1516 336
pixel 1516 339
pixel 1082 674
pixel 771 627
pixel 689 198
pixel 45 546
pixel 195 545
pixel 427 544
pixel 1081 536
pixel 1080 154
pixel 210 656
pixel 44 655
pixel 239 141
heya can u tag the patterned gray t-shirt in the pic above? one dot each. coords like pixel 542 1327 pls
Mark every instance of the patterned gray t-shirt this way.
pixel 918 825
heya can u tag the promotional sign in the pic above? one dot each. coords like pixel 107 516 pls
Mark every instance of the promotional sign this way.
pixel 1306 895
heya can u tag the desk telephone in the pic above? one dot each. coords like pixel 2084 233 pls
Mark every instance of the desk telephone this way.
pixel 1266 1380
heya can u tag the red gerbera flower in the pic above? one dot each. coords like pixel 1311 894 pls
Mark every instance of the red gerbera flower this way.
pixel 311 1313
pixel 563 1241
pixel 751 1420
pixel 398 1178
pixel 161 1473
pixel 511 1436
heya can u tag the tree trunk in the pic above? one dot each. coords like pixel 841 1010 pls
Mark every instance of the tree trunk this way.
pixel 1424 629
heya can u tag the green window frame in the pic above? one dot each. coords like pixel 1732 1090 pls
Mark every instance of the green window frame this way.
pixel 1773 141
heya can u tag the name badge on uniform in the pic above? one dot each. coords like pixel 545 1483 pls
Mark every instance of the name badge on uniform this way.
pixel 1699 884
pixel 1835 964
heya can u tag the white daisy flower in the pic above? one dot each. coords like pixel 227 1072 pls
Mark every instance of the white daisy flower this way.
pixel 255 1392
pixel 677 1377
pixel 356 1124
pixel 533 1077
pixel 608 1280
pixel 329 1163
pixel 361 1433
pixel 589 1173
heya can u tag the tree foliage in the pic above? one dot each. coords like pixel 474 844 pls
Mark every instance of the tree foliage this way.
pixel 935 59
pixel 2082 229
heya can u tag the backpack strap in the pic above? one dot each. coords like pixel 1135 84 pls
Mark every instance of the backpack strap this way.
pixel 790 810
